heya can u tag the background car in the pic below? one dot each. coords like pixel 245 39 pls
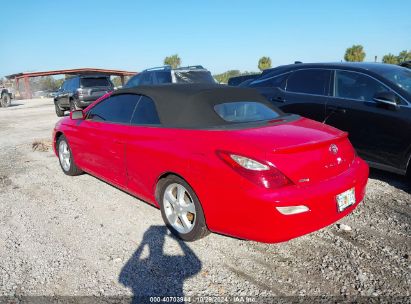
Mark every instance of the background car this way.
pixel 6 95
pixel 235 81
pixel 371 101
pixel 406 64
pixel 80 91
pixel 166 74
pixel 216 158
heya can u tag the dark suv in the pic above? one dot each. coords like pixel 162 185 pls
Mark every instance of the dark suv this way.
pixel 371 101
pixel 80 91
pixel 166 74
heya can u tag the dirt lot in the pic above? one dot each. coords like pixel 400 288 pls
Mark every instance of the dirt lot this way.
pixel 63 235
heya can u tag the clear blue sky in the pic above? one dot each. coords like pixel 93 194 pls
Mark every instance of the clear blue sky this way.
pixel 221 35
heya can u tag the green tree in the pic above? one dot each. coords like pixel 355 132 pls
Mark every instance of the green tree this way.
pixel 59 82
pixel 224 77
pixel 264 63
pixel 355 53
pixel 173 60
pixel 404 56
pixel 390 58
pixel 117 81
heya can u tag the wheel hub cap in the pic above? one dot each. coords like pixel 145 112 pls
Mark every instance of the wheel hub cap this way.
pixel 179 208
pixel 64 155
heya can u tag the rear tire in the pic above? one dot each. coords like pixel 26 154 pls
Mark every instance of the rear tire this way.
pixel 5 100
pixel 66 159
pixel 59 112
pixel 181 209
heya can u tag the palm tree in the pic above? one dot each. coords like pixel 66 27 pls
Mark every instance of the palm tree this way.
pixel 173 60
pixel 390 58
pixel 264 63
pixel 355 53
pixel 404 56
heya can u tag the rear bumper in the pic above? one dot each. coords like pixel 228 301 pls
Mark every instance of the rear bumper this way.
pixel 252 214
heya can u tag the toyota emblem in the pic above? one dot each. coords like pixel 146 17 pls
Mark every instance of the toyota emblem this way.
pixel 333 149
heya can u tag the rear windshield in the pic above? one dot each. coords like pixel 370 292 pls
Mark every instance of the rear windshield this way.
pixel 245 111
pixel 193 77
pixel 95 82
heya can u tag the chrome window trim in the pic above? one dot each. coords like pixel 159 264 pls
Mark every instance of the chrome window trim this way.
pixel 323 96
pixel 265 79
pixel 379 81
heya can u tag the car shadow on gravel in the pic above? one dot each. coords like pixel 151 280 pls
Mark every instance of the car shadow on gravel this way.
pixel 398 181
pixel 158 274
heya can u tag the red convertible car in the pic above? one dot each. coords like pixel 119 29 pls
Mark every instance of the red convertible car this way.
pixel 216 158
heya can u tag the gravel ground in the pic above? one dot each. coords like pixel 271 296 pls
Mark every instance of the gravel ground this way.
pixel 65 236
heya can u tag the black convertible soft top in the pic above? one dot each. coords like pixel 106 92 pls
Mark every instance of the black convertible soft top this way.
pixel 192 105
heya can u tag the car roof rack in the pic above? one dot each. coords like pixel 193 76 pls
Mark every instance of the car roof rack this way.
pixel 164 67
pixel 297 62
pixel 191 67
pixel 168 67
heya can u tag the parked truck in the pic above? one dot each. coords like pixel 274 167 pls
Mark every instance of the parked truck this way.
pixel 6 96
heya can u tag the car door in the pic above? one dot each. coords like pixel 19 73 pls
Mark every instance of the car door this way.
pixel 143 153
pixel 64 97
pixel 306 93
pixel 61 95
pixel 302 92
pixel 99 139
pixel 377 131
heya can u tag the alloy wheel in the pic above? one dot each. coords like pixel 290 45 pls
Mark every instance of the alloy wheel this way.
pixel 179 208
pixel 64 155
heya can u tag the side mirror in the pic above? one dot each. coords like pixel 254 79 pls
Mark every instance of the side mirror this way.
pixel 386 98
pixel 76 115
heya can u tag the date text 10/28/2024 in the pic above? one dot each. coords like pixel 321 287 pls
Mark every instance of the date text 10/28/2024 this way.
pixel 204 299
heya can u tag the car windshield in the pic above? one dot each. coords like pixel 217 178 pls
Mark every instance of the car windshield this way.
pixel 245 111
pixel 193 77
pixel 94 82
pixel 401 77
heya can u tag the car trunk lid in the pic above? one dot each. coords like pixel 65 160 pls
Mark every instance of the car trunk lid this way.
pixel 304 150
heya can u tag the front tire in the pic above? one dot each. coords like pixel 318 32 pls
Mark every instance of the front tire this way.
pixel 181 209
pixel 5 100
pixel 73 106
pixel 66 160
pixel 59 112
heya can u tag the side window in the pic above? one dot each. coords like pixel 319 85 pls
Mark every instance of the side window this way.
pixel 133 82
pixel 311 81
pixel 354 85
pixel 117 109
pixel 64 86
pixel 76 83
pixel 274 81
pixel 145 113
pixel 69 84
pixel 72 84
pixel 146 79
pixel 163 77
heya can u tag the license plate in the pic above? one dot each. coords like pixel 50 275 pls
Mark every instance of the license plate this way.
pixel 345 199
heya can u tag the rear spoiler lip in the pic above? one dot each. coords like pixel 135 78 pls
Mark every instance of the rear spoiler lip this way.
pixel 311 144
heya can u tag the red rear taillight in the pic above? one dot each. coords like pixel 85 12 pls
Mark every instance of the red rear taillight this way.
pixel 264 175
